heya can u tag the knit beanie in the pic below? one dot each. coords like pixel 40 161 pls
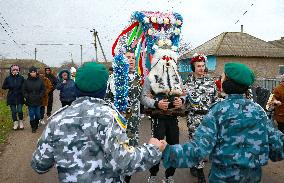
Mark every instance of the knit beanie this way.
pixel 32 69
pixel 91 77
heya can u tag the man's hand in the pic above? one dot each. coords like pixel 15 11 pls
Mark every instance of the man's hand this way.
pixel 164 144
pixel 177 102
pixel 277 102
pixel 64 81
pixel 157 143
pixel 163 104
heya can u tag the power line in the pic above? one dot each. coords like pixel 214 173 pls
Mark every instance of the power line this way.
pixel 2 25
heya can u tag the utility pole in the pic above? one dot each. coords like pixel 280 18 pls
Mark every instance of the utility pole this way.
pixel 95 34
pixel 35 53
pixel 81 54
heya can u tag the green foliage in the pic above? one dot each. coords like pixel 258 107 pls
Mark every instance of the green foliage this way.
pixel 6 123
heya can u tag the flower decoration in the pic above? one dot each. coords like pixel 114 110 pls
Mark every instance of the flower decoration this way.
pixel 160 20
pixel 146 20
pixel 161 43
pixel 150 31
pixel 198 58
pixel 154 19
pixel 179 22
pixel 166 21
pixel 177 31
pixel 168 42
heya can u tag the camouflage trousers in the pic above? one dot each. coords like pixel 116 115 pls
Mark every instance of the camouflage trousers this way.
pixel 234 174
pixel 132 130
pixel 193 121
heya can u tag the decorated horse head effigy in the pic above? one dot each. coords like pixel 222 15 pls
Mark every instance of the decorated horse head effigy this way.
pixel 155 37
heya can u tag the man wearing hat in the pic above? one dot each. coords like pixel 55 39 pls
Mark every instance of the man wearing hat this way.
pixel 201 93
pixel 87 140
pixel 236 133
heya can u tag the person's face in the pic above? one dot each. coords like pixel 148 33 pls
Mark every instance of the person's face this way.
pixel 47 71
pixel 199 68
pixel 131 61
pixel 33 74
pixel 64 76
pixel 73 74
pixel 15 71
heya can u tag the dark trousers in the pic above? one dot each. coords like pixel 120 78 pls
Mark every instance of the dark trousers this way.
pixel 63 103
pixel 281 127
pixel 42 110
pixel 34 113
pixel 17 109
pixel 165 126
pixel 50 103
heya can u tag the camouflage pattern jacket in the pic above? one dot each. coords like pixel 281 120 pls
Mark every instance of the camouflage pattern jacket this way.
pixel 201 93
pixel 134 93
pixel 237 135
pixel 88 143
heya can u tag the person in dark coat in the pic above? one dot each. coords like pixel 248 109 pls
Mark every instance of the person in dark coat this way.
pixel 67 87
pixel 53 80
pixel 33 90
pixel 15 98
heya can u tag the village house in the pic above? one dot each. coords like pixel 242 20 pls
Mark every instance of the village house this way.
pixel 266 59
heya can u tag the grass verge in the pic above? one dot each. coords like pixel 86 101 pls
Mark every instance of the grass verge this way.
pixel 6 123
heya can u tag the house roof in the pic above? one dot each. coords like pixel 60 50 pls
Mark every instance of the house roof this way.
pixel 237 44
pixel 278 43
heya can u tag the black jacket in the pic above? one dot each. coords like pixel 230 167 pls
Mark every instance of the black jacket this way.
pixel 33 90
pixel 14 85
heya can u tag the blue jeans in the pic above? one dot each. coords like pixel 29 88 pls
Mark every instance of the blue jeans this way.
pixel 17 109
pixel 34 113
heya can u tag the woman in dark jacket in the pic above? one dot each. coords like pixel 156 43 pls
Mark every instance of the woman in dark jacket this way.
pixel 67 87
pixel 33 90
pixel 15 98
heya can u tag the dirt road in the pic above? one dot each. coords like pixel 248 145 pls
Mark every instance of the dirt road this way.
pixel 15 159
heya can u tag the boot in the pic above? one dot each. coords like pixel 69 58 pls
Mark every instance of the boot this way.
pixel 32 122
pixel 15 127
pixel 21 124
pixel 193 171
pixel 201 176
pixel 36 123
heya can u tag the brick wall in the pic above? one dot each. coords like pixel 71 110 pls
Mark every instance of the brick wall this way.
pixel 262 67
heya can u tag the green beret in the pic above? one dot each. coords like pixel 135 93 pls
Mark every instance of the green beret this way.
pixel 91 77
pixel 239 73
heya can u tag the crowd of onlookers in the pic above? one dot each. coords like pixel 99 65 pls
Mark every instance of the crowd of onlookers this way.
pixel 36 91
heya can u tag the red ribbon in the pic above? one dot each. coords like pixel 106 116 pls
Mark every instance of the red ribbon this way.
pixel 121 34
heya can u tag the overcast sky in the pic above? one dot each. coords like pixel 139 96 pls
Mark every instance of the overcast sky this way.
pixel 66 22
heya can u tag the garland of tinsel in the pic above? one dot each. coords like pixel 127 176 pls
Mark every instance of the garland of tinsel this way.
pixel 120 69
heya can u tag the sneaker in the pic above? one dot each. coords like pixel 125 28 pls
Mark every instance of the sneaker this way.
pixel 42 122
pixel 170 179
pixel 33 130
pixel 152 179
pixel 21 124
pixel 16 125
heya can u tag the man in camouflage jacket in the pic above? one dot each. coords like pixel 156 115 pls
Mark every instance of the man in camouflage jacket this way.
pixel 201 93
pixel 134 93
pixel 236 133
pixel 87 140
